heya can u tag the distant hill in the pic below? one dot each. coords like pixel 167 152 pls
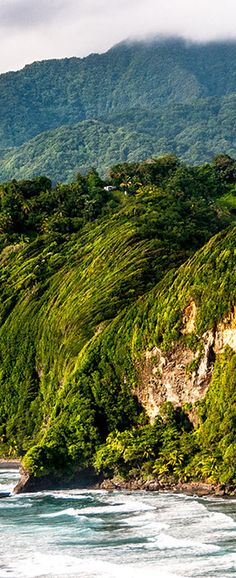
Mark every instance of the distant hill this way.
pixel 59 153
pixel 135 101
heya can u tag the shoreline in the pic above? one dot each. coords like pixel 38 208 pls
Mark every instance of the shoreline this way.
pixel 13 463
pixel 199 489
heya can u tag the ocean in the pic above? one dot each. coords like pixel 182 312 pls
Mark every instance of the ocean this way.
pixel 102 534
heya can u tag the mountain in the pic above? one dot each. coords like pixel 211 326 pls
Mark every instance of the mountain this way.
pixel 137 100
pixel 117 337
pixel 90 143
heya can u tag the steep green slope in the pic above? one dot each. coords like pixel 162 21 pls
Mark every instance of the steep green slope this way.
pixel 87 386
pixel 105 269
pixel 169 96
pixel 83 306
pixel 171 449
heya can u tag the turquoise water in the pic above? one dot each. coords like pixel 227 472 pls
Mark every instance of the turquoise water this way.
pixel 98 534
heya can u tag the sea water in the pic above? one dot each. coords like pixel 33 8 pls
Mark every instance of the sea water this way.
pixel 101 534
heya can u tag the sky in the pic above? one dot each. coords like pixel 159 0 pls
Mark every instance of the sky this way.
pixel 41 29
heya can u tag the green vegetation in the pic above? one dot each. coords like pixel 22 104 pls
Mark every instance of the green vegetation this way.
pixel 93 277
pixel 136 101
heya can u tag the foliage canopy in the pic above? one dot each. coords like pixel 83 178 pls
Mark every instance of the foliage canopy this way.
pixel 92 276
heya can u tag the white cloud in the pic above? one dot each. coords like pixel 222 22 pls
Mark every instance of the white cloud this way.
pixel 20 14
pixel 34 30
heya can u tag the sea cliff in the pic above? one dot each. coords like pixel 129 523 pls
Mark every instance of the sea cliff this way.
pixel 117 336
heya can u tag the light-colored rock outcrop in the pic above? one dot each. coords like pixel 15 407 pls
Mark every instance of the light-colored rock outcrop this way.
pixel 182 375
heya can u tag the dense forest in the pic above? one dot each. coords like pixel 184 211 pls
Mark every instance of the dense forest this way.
pixel 117 343
pixel 136 101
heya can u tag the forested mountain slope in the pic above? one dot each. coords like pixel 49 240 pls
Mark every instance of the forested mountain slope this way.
pixel 117 330
pixel 167 95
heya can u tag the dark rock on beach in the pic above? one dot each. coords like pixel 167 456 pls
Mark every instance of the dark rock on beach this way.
pixel 84 479
pixel 190 488
pixel 87 478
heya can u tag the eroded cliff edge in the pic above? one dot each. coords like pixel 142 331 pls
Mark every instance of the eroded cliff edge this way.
pixel 182 375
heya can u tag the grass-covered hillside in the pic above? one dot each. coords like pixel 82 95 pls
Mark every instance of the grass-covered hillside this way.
pixel 91 280
pixel 135 101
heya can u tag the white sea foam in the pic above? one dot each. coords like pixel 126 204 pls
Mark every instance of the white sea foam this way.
pixel 77 493
pixel 116 535
pixel 8 480
pixel 219 519
pixel 165 542
pixel 125 507
pixel 118 508
pixel 66 512
pixel 9 505
pixel 218 566
pixel 46 565
pixel 71 496
pixel 148 521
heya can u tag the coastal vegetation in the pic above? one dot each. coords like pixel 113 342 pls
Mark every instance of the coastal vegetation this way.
pixel 96 277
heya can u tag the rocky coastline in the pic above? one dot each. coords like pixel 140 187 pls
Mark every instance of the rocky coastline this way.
pixel 200 489
pixel 89 479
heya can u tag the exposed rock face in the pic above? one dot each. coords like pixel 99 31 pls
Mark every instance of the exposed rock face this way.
pixel 189 318
pixel 83 479
pixel 166 377
pixel 23 483
pixel 154 485
pixel 226 333
pixel 182 375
